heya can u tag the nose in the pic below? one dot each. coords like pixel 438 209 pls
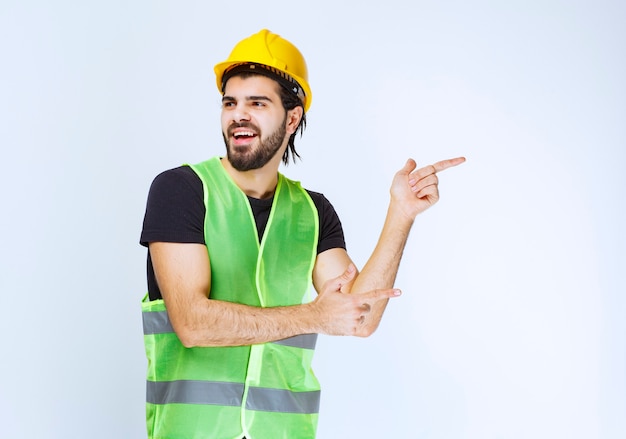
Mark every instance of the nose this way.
pixel 240 113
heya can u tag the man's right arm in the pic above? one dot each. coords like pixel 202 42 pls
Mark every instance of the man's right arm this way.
pixel 183 273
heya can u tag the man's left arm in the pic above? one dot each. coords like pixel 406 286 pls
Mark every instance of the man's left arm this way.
pixel 412 192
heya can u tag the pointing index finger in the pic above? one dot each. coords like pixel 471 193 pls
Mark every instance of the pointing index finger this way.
pixel 445 164
pixel 376 295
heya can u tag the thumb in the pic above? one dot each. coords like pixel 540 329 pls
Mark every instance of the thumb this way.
pixel 347 276
pixel 408 167
pixel 343 279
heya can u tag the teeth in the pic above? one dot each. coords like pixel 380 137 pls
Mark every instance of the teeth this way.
pixel 244 133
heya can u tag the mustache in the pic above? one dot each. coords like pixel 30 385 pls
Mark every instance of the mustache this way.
pixel 236 125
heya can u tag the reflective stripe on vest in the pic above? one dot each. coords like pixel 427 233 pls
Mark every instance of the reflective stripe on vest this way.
pixel 230 394
pixel 265 391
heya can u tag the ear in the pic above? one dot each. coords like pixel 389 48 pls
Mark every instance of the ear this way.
pixel 293 119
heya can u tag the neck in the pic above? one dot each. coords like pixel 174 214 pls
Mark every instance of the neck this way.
pixel 257 183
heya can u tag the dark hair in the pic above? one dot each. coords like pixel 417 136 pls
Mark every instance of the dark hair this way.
pixel 289 101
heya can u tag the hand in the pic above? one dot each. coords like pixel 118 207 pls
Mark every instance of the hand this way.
pixel 344 313
pixel 414 191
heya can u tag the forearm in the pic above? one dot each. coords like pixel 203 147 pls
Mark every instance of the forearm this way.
pixel 219 323
pixel 382 267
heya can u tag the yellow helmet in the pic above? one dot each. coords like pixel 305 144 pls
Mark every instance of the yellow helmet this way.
pixel 266 53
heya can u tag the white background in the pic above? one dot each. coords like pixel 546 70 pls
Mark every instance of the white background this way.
pixel 512 320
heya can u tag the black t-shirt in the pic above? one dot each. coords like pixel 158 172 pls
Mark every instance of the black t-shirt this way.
pixel 175 213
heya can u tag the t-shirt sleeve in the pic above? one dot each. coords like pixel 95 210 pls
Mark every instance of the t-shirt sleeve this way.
pixel 175 208
pixel 331 230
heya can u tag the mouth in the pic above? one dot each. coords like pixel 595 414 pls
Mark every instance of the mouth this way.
pixel 242 134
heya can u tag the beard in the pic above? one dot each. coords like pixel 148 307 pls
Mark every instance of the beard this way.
pixel 246 158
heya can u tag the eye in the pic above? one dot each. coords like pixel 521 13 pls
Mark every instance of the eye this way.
pixel 228 104
pixel 258 104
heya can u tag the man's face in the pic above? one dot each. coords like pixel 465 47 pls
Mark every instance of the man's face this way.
pixel 253 121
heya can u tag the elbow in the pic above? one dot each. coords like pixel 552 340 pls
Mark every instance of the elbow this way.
pixel 193 337
pixel 367 330
pixel 187 336
pixel 186 340
pixel 188 343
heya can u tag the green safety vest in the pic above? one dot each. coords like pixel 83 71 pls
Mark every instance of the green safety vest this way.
pixel 263 391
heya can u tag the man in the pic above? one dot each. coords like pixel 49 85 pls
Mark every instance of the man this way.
pixel 233 248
